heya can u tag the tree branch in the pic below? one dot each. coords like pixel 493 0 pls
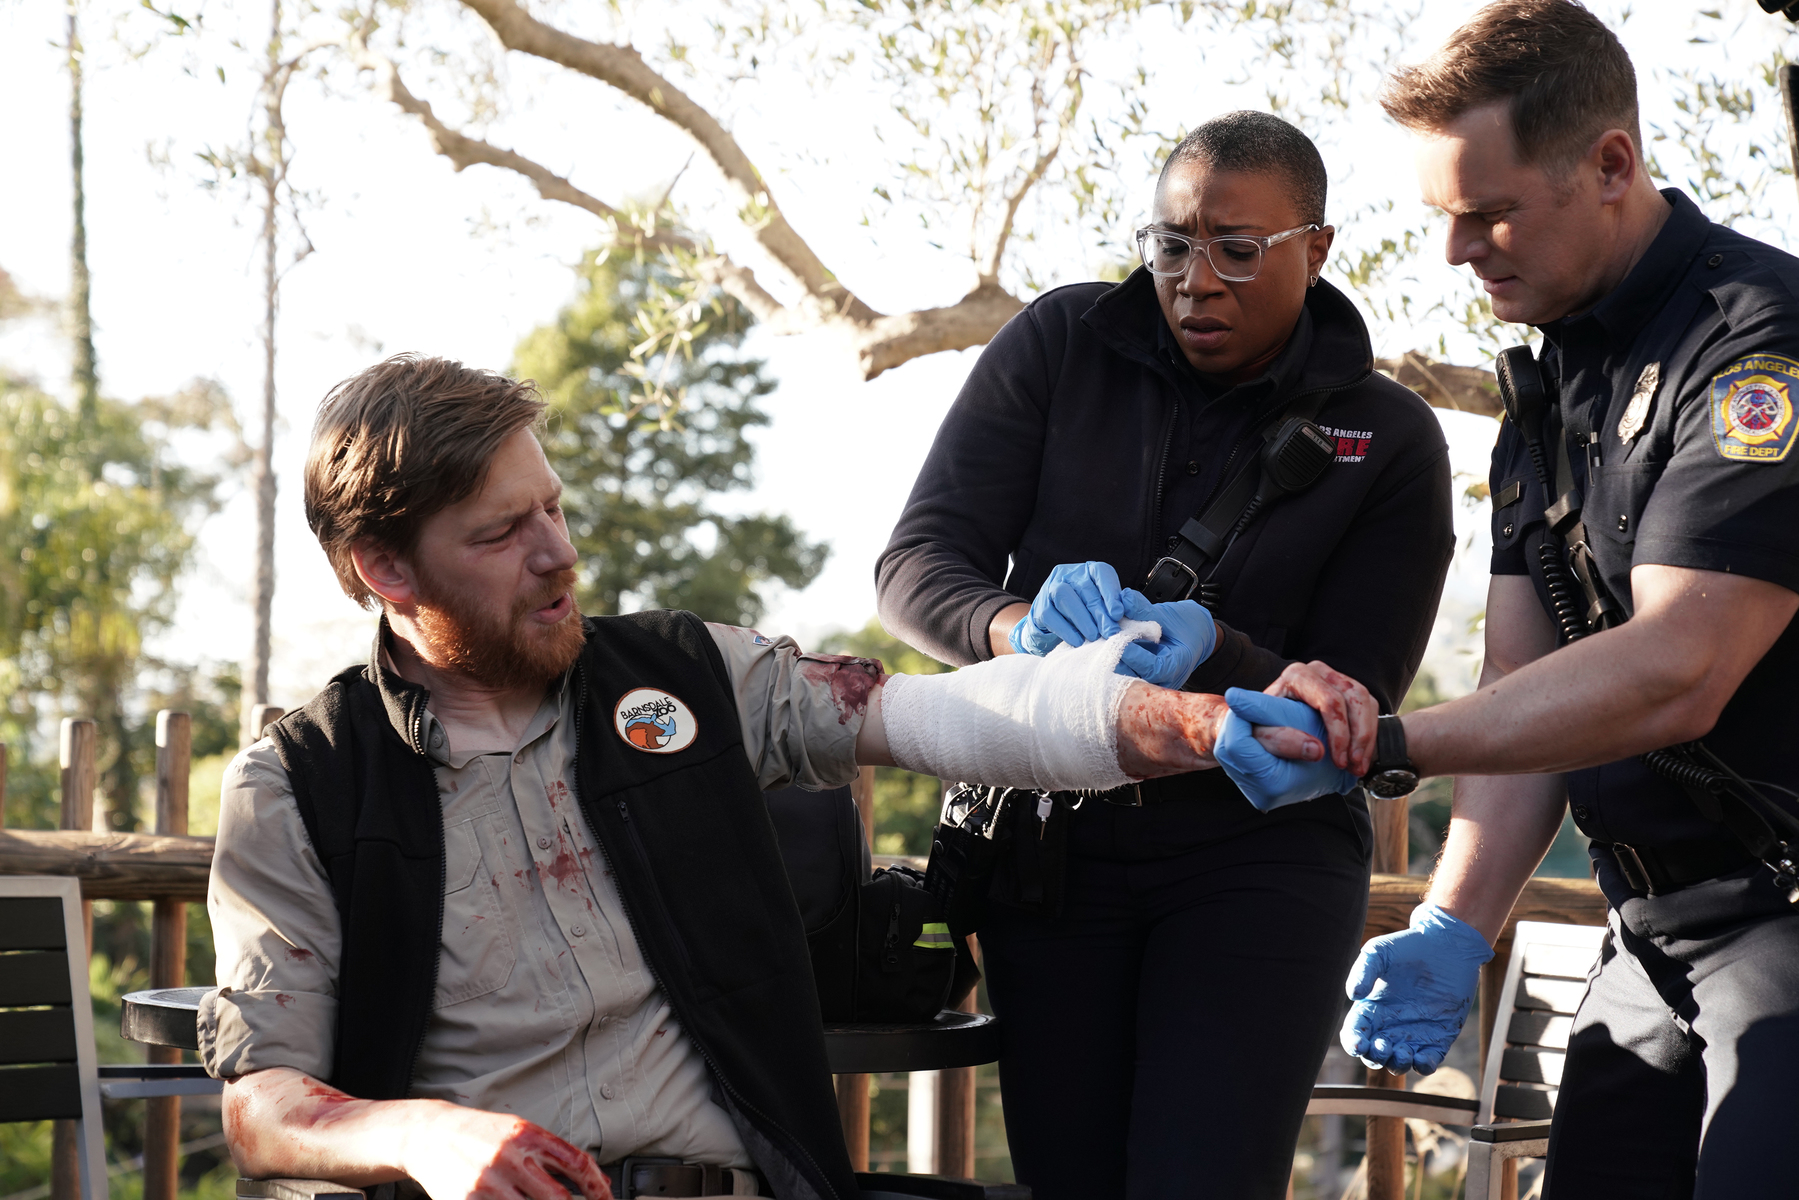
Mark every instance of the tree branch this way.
pixel 463 152
pixel 623 68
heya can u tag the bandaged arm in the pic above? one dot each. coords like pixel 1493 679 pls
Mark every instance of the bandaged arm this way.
pixel 1059 722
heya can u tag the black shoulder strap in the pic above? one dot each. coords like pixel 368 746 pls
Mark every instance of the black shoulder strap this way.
pixel 1204 538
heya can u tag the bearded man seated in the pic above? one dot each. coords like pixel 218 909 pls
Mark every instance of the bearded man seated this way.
pixel 504 907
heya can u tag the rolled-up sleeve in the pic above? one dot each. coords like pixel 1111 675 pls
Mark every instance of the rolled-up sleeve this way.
pixel 275 931
pixel 801 712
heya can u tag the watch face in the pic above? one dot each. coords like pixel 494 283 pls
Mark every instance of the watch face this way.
pixel 1395 781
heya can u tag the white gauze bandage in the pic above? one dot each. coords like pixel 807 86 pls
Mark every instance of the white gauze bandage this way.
pixel 1017 721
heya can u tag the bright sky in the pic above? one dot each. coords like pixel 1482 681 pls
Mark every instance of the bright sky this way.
pixel 412 256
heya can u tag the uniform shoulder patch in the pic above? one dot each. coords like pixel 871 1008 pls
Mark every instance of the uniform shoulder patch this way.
pixel 1752 408
pixel 652 720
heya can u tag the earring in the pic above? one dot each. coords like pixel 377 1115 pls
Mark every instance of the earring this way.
pixel 1313 282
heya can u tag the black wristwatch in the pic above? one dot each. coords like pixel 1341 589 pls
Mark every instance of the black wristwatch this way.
pixel 1392 774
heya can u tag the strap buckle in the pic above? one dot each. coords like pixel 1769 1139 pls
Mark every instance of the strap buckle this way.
pixel 1170 579
pixel 1630 863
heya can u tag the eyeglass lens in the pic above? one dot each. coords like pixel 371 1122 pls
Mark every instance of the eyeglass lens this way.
pixel 1236 259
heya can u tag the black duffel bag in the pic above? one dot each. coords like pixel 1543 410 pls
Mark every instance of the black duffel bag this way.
pixel 881 949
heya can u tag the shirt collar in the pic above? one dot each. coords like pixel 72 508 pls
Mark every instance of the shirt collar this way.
pixel 1281 375
pixel 1622 312
pixel 408 706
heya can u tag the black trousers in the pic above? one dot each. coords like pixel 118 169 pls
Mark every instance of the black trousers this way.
pixel 1161 1036
pixel 1682 1076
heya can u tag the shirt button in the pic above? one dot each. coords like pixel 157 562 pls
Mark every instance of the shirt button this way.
pixel 1581 812
pixel 1623 522
pixel 579 931
pixel 1507 531
pixel 606 1090
pixel 543 843
pixel 1192 468
pixel 1715 261
pixel 437 738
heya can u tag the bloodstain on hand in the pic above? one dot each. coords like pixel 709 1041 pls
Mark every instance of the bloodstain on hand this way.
pixel 851 680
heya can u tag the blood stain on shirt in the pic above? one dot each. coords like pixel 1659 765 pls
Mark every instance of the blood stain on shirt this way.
pixel 283 999
pixel 295 954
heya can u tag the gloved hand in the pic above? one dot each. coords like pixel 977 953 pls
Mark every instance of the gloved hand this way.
pixel 1077 604
pixel 1188 638
pixel 1427 976
pixel 1268 781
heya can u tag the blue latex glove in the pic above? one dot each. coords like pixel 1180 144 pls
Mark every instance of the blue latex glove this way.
pixel 1268 781
pixel 1412 991
pixel 1188 638
pixel 1077 604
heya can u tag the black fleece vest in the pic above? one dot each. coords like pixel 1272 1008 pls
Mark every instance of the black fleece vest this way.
pixel 689 840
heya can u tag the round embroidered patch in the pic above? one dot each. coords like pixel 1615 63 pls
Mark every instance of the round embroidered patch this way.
pixel 653 721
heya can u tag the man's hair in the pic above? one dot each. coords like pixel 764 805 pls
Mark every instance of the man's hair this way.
pixel 1564 77
pixel 1257 142
pixel 402 440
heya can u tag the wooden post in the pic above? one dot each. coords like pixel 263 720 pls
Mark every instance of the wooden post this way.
pixel 955 1111
pixel 852 1090
pixel 80 738
pixel 1386 1135
pixel 262 716
pixel 168 950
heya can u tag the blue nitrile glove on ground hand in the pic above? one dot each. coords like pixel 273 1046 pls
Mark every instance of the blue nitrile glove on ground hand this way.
pixel 1412 991
pixel 1267 780
pixel 1077 604
pixel 1188 638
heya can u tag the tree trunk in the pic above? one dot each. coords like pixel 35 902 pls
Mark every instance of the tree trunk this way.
pixel 262 584
pixel 84 374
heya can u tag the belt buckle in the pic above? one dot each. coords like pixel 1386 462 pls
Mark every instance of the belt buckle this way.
pixel 1631 864
pixel 1183 591
pixel 627 1172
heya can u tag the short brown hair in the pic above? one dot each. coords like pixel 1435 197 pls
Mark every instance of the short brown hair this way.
pixel 1566 76
pixel 400 441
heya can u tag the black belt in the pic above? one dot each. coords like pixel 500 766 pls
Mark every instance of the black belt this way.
pixel 633 1177
pixel 1668 865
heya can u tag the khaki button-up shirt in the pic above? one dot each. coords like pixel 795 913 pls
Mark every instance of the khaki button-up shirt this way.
pixel 545 1006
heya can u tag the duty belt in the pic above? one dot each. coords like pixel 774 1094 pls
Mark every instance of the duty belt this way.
pixel 1668 865
pixel 636 1176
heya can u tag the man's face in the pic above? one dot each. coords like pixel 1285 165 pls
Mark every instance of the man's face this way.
pixel 1223 327
pixel 1539 244
pixel 495 576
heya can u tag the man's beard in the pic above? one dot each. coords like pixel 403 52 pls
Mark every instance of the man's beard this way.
pixel 495 651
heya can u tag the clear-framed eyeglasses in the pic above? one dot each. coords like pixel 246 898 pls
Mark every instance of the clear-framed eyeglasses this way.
pixel 1236 257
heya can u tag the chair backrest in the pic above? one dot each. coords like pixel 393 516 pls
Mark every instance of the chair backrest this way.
pixel 1544 984
pixel 47 1067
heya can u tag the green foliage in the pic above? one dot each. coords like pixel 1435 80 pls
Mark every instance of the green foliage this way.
pixel 650 404
pixel 905 805
pixel 95 528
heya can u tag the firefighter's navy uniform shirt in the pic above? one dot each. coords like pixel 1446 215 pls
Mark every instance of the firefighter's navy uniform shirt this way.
pixel 1707 324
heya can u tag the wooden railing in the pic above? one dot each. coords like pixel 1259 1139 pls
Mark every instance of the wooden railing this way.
pixel 170 869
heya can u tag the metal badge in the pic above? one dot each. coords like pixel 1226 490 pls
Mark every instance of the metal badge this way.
pixel 1640 400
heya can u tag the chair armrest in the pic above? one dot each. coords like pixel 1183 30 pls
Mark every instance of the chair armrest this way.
pixel 881 1186
pixel 136 1081
pixel 1510 1131
pixel 1357 1101
pixel 295 1189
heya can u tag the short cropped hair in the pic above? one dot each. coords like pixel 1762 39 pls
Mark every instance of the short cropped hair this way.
pixel 1563 75
pixel 1257 142
pixel 403 440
